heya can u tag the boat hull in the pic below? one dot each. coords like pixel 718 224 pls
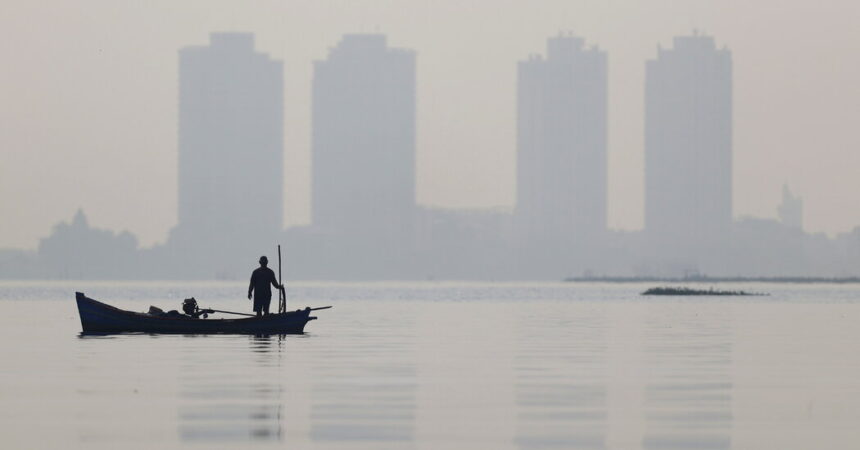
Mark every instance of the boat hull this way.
pixel 100 318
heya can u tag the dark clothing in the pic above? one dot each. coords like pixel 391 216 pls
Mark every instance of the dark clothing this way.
pixel 261 279
pixel 262 305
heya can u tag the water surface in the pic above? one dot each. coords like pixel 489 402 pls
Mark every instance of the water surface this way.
pixel 440 365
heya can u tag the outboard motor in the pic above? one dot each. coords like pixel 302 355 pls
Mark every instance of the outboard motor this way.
pixel 189 305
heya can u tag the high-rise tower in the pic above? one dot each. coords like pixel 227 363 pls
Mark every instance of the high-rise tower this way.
pixel 230 145
pixel 363 139
pixel 561 143
pixel 688 145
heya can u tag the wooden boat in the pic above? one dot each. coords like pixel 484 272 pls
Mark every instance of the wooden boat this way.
pixel 97 317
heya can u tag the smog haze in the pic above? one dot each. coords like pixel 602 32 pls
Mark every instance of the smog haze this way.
pixel 89 100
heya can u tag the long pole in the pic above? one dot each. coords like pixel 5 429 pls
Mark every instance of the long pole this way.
pixel 282 296
pixel 229 312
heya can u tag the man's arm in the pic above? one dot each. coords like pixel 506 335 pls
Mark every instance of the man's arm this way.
pixel 275 281
pixel 250 287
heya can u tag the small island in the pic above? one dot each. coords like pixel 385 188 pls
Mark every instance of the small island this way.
pixel 669 290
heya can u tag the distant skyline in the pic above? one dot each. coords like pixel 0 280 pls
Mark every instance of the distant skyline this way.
pixel 89 95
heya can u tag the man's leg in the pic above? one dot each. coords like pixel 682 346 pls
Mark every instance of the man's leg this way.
pixel 258 307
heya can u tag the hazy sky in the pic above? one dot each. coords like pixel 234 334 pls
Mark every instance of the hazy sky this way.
pixel 88 98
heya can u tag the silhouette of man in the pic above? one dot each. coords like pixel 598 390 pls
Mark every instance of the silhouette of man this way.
pixel 261 278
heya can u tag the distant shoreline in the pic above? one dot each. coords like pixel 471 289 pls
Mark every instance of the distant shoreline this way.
pixel 611 280
pixel 685 291
pixel 702 279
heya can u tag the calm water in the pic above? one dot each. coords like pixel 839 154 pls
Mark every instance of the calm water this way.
pixel 435 365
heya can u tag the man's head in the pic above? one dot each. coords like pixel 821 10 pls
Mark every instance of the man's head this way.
pixel 264 261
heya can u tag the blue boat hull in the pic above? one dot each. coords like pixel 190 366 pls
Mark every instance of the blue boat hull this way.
pixel 98 318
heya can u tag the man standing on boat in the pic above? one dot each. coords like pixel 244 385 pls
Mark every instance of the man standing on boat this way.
pixel 260 281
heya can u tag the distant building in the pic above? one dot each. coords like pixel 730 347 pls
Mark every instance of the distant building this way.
pixel 688 146
pixel 561 143
pixel 230 149
pixel 75 250
pixel 363 139
pixel 791 209
pixel 463 243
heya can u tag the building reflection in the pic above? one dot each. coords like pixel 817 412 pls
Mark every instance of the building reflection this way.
pixel 365 393
pixel 688 392
pixel 239 403
pixel 561 387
